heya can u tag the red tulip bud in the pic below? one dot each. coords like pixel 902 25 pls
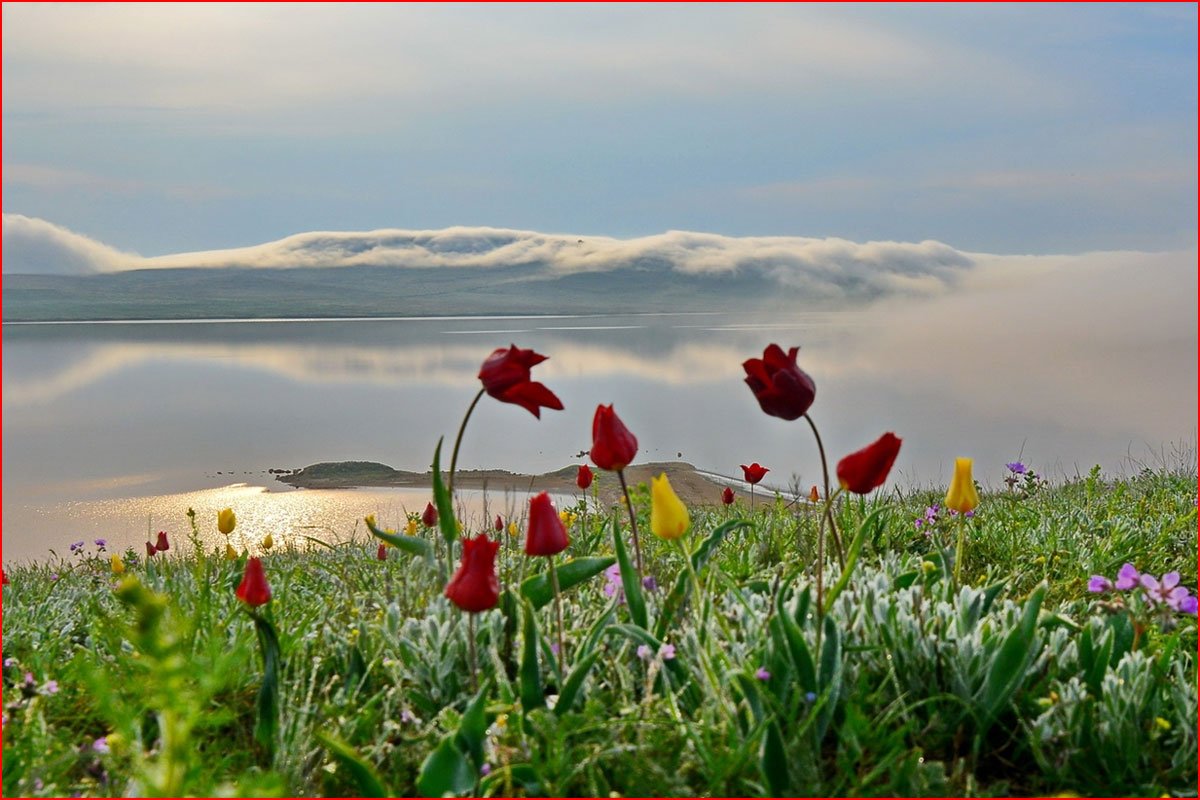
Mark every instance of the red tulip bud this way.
pixel 584 479
pixel 430 517
pixel 782 389
pixel 867 469
pixel 475 587
pixel 727 496
pixel 253 590
pixel 162 541
pixel 150 551
pixel 613 446
pixel 498 524
pixel 814 496
pixel 382 552
pixel 546 535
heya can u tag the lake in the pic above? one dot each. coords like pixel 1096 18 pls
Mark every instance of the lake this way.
pixel 114 429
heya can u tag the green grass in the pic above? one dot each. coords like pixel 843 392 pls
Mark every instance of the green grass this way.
pixel 1020 682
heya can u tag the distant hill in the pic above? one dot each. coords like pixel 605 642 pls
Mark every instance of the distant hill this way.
pixel 385 291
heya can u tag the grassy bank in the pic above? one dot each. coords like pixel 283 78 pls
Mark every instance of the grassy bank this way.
pixel 1019 681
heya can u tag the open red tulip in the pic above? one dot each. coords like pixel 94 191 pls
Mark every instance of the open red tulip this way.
pixel 781 388
pixel 475 587
pixel 162 542
pixel 867 469
pixel 613 446
pixel 505 376
pixel 754 473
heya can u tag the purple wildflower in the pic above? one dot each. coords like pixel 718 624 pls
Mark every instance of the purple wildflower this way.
pixel 29 680
pixel 51 687
pixel 101 543
pixel 667 651
pixel 53 576
pixel 10 661
pixel 1128 577
pixel 1187 606
pixel 101 745
pixel 649 584
pixel 485 769
pixel 1016 468
pixel 613 587
pixel 810 697
pixel 554 648
pixel 917 522
pixel 75 548
pixel 407 716
pixel 1098 584
pixel 762 674
pixel 1158 591
pixel 644 651
pixel 931 512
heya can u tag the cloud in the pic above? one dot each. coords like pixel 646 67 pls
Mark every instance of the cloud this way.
pixel 35 246
pixel 825 267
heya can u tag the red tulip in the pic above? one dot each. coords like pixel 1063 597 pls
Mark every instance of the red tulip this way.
pixel 162 542
pixel 430 515
pixel 505 376
pixel 150 551
pixel 584 478
pixel 727 496
pixel 814 496
pixel 498 524
pixel 475 587
pixel 782 388
pixel 381 554
pixel 546 535
pixel 867 469
pixel 4 575
pixel 613 446
pixel 754 473
pixel 253 590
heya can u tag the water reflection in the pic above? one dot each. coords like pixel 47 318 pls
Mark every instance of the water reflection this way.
pixel 94 412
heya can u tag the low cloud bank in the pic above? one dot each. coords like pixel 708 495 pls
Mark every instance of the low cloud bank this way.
pixel 827 267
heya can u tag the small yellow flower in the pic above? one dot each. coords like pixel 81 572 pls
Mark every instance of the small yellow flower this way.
pixel 458 523
pixel 513 530
pixel 962 496
pixel 928 566
pixel 230 553
pixel 411 527
pixel 568 519
pixel 668 516
pixel 1162 723
pixel 226 521
pixel 268 542
pixel 370 520
pixel 118 566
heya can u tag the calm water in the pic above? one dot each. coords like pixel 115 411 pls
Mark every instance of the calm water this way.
pixel 110 429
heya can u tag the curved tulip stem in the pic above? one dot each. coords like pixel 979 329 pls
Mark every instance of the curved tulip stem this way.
pixel 837 540
pixel 562 651
pixel 637 549
pixel 458 443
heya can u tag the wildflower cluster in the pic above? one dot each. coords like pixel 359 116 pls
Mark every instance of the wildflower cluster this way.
pixel 1162 592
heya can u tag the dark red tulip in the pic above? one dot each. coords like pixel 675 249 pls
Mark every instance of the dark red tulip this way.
pixel 475 587
pixel 381 554
pixel 430 515
pixel 613 446
pixel 150 551
pixel 867 469
pixel 4 575
pixel 253 590
pixel 546 535
pixel 505 376
pixel 754 473
pixel 727 496
pixel 584 478
pixel 162 542
pixel 498 524
pixel 781 388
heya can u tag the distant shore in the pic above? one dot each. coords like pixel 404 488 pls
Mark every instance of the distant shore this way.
pixel 692 486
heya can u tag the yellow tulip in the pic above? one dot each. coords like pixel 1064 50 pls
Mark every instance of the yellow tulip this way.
pixel 268 542
pixel 118 566
pixel 230 553
pixel 668 516
pixel 370 520
pixel 411 528
pixel 962 496
pixel 226 521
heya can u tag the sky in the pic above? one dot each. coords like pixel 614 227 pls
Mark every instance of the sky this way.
pixel 1005 129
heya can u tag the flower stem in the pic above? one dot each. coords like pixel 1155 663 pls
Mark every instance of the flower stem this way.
pixel 637 549
pixel 458 443
pixel 837 540
pixel 562 650
pixel 471 649
pixel 958 551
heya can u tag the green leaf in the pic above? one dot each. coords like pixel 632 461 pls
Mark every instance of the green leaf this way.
pixel 574 682
pixel 523 776
pixel 797 648
pixel 539 590
pixel 531 678
pixel 267 705
pixel 773 761
pixel 446 771
pixel 472 730
pixel 874 520
pixel 679 592
pixel 1007 669
pixel 360 771
pixel 630 580
pixel 749 691
pixel 442 499
pixel 830 675
pixel 413 545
